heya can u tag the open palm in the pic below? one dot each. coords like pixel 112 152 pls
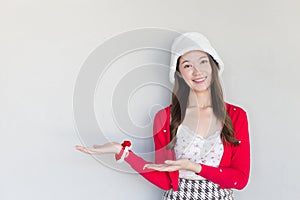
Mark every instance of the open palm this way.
pixel 106 148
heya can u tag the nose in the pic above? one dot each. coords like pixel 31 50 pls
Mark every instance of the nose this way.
pixel 196 70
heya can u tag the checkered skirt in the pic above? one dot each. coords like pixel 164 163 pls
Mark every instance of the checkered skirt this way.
pixel 197 190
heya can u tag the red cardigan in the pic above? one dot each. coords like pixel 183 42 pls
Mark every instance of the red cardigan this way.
pixel 234 168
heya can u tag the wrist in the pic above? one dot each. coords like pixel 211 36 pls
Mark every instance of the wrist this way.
pixel 195 167
pixel 124 149
pixel 198 168
pixel 118 148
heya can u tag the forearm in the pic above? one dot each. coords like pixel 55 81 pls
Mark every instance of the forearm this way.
pixel 158 178
pixel 194 167
pixel 225 176
pixel 236 174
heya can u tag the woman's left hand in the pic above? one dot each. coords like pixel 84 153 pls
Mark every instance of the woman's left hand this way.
pixel 174 165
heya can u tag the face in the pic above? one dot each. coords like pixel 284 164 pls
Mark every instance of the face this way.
pixel 195 69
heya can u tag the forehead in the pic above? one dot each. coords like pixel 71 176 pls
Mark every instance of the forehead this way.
pixel 193 54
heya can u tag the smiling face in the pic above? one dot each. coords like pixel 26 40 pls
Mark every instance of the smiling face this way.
pixel 195 69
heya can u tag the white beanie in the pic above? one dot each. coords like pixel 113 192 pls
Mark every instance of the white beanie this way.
pixel 191 41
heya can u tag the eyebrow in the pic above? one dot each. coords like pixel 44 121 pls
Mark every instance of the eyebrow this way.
pixel 198 59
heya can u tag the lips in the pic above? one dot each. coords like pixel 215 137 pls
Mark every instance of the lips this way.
pixel 200 80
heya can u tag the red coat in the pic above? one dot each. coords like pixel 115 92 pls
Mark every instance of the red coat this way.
pixel 234 168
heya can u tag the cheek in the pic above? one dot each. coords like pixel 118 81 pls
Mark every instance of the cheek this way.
pixel 186 78
pixel 209 73
pixel 187 75
pixel 209 80
pixel 208 69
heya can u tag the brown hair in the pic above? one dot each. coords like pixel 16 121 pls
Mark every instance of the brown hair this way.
pixel 180 98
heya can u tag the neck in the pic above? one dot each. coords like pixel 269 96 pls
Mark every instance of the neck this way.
pixel 199 99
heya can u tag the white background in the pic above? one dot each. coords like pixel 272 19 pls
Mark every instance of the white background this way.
pixel 43 45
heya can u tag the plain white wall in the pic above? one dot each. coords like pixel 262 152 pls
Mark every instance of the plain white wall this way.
pixel 45 43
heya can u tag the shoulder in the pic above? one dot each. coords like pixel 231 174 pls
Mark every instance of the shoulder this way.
pixel 235 111
pixel 163 112
pixel 238 116
pixel 162 116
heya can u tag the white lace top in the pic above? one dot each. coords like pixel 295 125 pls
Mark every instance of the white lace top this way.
pixel 208 151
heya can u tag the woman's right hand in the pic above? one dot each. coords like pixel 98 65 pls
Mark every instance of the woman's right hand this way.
pixel 107 148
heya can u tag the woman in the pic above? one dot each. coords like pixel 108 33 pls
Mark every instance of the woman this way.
pixel 202 148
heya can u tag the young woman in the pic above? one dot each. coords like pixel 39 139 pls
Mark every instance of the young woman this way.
pixel 202 148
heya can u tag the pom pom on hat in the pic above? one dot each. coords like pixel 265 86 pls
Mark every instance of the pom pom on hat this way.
pixel 191 41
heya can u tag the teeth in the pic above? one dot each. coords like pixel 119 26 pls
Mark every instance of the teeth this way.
pixel 201 79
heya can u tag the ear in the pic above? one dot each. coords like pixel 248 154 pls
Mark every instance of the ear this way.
pixel 178 74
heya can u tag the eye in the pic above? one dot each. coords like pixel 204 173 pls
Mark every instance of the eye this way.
pixel 185 66
pixel 203 61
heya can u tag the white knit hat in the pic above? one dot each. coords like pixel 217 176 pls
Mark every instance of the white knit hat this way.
pixel 191 41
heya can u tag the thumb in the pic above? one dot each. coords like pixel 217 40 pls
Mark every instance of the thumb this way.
pixel 168 161
pixel 97 146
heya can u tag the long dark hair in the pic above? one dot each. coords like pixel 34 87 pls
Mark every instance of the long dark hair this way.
pixel 179 104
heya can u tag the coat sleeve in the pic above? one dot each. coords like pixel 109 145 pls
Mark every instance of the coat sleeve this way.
pixel 237 174
pixel 158 178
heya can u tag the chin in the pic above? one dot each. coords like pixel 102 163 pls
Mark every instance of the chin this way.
pixel 201 91
pixel 203 88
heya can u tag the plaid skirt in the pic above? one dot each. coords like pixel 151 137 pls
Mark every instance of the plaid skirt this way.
pixel 197 190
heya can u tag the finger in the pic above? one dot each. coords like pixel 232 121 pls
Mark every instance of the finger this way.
pixel 167 168
pixel 155 165
pixel 156 168
pixel 171 168
pixel 173 162
pixel 84 150
pixel 78 147
pixel 169 162
pixel 97 146
pixel 159 167
pixel 145 166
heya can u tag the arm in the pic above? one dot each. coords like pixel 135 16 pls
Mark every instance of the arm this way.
pixel 237 174
pixel 158 178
